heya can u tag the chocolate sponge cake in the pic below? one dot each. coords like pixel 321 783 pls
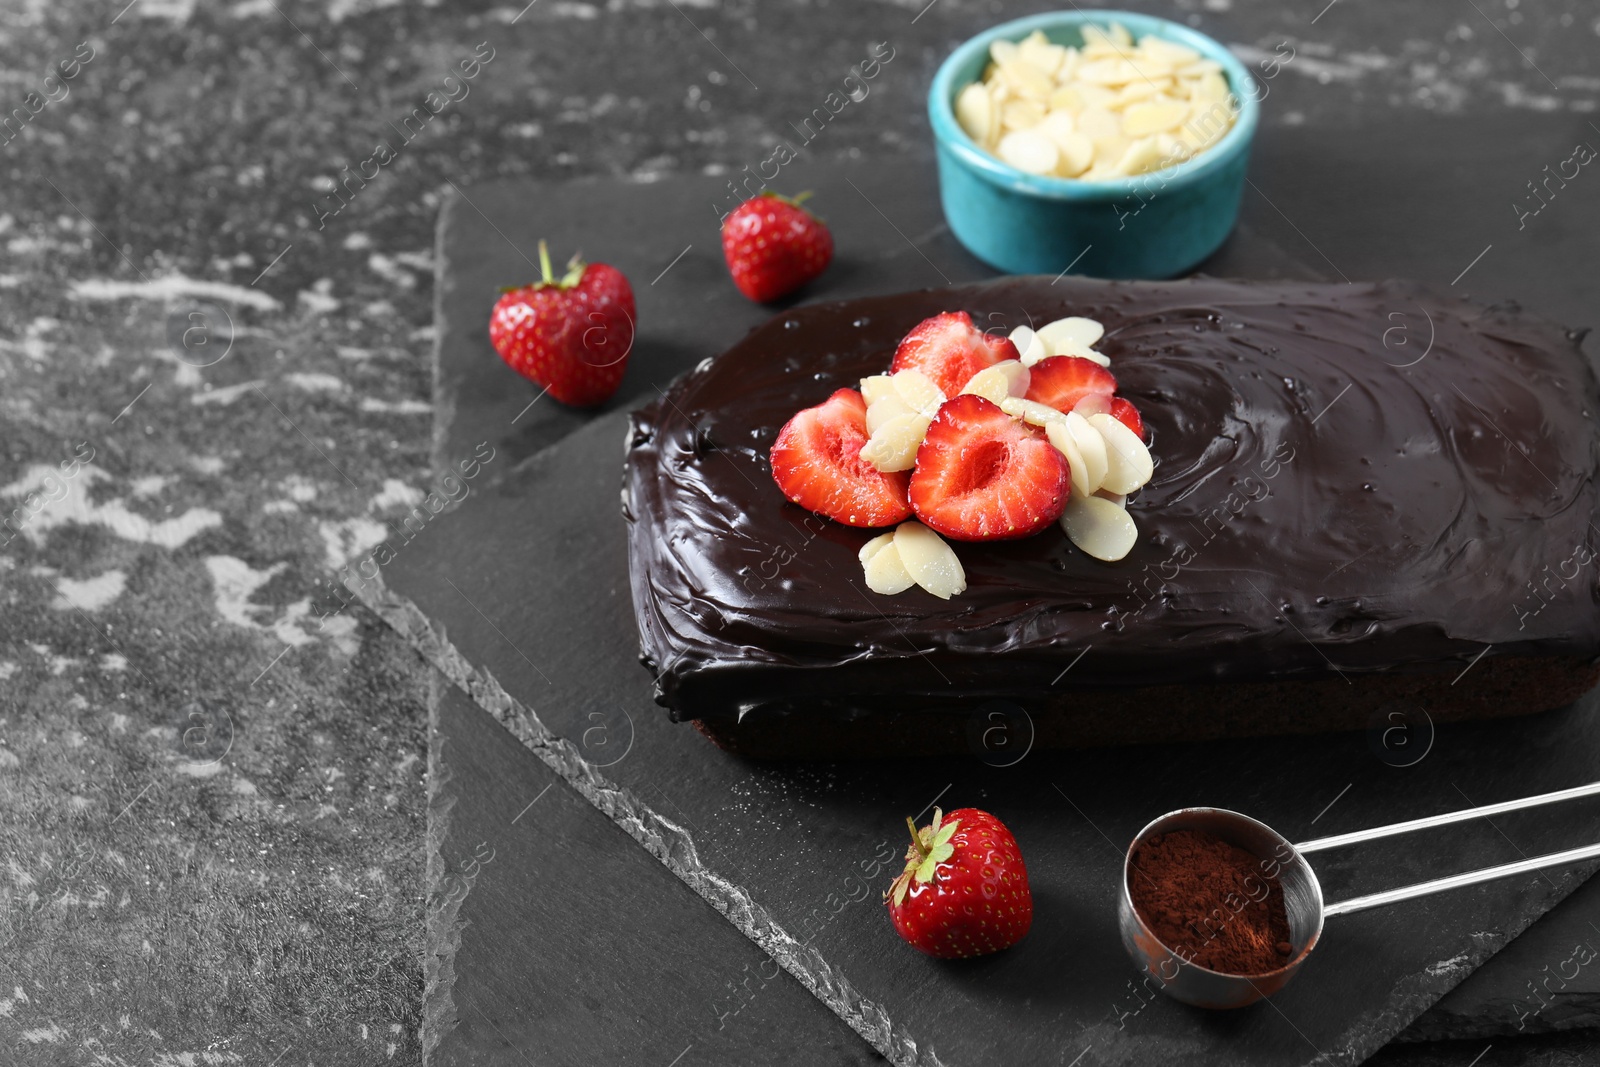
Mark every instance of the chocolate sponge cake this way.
pixel 1337 521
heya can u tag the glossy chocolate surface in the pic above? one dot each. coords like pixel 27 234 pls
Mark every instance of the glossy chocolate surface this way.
pixel 1349 478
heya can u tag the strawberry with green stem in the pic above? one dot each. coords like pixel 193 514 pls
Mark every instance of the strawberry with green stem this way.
pixel 571 334
pixel 774 246
pixel 964 890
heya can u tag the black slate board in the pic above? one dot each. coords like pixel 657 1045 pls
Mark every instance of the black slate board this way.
pixel 545 486
pixel 600 957
pixel 793 837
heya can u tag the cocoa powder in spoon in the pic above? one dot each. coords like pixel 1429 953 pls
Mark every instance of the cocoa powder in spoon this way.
pixel 1211 902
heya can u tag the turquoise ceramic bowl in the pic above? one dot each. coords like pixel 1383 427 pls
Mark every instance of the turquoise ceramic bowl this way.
pixel 1156 225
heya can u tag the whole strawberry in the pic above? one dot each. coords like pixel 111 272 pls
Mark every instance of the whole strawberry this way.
pixel 774 246
pixel 572 335
pixel 964 891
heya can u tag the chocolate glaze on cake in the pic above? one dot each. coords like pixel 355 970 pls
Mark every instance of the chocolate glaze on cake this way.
pixel 1350 481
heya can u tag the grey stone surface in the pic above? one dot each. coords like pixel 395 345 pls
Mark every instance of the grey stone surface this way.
pixel 272 908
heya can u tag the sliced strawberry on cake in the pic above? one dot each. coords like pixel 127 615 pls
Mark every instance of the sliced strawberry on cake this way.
pixel 982 475
pixel 949 349
pixel 1062 381
pixel 1124 412
pixel 817 462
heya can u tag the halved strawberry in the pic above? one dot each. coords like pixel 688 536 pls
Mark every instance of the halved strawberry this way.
pixel 949 349
pixel 1062 381
pixel 1124 412
pixel 817 462
pixel 982 475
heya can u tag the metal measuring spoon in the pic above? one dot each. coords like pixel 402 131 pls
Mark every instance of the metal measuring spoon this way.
pixel 1302 894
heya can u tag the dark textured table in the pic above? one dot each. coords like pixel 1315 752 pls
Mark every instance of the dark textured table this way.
pixel 212 800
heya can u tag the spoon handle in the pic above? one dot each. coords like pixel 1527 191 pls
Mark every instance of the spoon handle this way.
pixel 1449 817
pixel 1455 881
